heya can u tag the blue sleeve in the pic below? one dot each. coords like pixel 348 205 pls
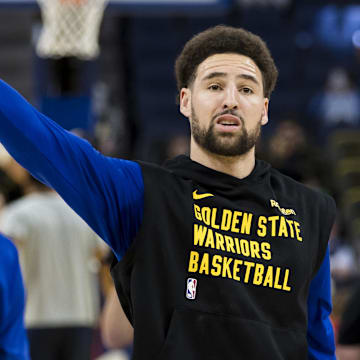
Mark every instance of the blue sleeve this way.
pixel 13 340
pixel 320 336
pixel 107 193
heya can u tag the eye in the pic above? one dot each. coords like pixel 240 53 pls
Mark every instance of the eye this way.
pixel 214 87
pixel 246 90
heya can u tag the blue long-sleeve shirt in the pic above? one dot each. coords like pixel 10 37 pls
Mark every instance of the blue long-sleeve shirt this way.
pixel 108 194
pixel 13 341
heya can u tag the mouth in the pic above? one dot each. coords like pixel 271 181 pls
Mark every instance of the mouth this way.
pixel 228 122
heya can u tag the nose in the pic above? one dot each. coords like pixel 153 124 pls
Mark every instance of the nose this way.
pixel 230 98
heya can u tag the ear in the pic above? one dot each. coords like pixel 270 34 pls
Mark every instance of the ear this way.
pixel 185 102
pixel 264 114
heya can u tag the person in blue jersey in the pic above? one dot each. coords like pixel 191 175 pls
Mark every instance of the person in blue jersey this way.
pixel 13 340
pixel 221 255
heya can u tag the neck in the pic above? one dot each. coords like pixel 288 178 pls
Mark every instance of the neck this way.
pixel 237 166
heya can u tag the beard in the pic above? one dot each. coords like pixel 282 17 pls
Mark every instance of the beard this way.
pixel 224 144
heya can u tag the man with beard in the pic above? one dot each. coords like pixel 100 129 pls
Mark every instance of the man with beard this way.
pixel 222 257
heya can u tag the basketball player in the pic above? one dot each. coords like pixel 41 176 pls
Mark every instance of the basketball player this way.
pixel 222 257
pixel 56 249
pixel 13 341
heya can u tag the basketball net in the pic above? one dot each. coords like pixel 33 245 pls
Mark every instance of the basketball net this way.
pixel 70 28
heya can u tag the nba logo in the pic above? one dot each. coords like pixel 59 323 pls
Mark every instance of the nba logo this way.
pixel 191 288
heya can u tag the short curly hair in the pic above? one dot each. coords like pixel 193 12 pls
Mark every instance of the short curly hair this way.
pixel 225 39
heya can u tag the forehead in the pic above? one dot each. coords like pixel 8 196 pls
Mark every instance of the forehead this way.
pixel 235 64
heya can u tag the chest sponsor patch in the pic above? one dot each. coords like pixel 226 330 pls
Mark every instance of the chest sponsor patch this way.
pixel 284 211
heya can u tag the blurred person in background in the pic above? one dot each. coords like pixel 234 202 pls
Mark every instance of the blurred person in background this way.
pixel 13 340
pixel 177 145
pixel 117 333
pixel 344 271
pixel 338 105
pixel 291 151
pixel 116 330
pixel 335 26
pixel 10 189
pixel 343 257
pixel 169 147
pixel 187 288
pixel 58 257
pixel 348 347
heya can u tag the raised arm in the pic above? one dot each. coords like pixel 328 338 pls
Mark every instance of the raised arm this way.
pixel 106 192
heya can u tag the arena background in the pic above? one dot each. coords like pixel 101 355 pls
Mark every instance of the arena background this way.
pixel 125 100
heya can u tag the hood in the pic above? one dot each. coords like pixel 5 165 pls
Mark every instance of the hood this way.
pixel 186 168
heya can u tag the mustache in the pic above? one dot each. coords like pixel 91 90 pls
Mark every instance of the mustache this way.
pixel 228 112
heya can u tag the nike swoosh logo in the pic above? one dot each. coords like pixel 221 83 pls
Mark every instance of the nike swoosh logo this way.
pixel 197 196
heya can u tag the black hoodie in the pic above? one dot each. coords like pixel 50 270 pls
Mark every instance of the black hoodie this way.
pixel 221 266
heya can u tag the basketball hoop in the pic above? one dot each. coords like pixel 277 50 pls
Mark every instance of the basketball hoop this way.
pixel 70 28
